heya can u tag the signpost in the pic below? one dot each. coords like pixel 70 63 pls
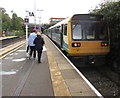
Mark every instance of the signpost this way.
pixel 26 22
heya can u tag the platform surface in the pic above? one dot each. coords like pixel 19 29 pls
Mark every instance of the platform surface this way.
pixel 54 76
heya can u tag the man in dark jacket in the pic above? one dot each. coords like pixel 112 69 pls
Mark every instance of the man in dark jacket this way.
pixel 39 42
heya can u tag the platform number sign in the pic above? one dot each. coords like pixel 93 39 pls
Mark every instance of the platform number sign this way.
pixel 26 20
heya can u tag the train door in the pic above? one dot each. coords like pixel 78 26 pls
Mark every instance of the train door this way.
pixel 65 37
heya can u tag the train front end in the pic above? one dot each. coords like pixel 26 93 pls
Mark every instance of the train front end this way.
pixel 89 36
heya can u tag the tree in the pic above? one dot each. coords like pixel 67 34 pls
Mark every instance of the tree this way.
pixel 17 22
pixel 111 13
pixel 6 21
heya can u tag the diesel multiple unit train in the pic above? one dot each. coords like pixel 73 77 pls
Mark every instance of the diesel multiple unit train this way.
pixel 82 35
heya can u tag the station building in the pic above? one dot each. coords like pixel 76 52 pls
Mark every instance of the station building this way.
pixel 55 20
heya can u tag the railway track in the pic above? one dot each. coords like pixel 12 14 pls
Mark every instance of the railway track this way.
pixel 104 79
pixel 10 41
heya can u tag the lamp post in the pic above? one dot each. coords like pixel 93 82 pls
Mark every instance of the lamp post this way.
pixel 35 13
pixel 39 20
pixel 26 26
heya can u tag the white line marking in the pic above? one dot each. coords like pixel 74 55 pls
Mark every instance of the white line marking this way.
pixel 19 60
pixel 21 50
pixel 7 73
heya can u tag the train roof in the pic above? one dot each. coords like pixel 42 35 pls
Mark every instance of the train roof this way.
pixel 77 17
pixel 92 17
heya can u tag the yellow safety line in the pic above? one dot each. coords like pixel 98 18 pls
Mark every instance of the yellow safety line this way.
pixel 59 86
pixel 11 51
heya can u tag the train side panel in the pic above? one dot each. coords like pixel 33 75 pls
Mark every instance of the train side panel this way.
pixel 57 37
pixel 66 38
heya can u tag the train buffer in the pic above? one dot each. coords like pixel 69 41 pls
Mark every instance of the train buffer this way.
pixel 54 76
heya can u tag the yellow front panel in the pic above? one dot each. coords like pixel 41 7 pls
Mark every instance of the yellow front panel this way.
pixel 88 48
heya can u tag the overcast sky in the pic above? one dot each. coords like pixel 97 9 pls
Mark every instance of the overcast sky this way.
pixel 51 8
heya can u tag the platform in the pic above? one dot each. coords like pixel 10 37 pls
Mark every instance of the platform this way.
pixel 55 76
pixel 7 37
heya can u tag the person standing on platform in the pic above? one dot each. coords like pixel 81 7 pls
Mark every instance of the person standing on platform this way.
pixel 39 42
pixel 32 37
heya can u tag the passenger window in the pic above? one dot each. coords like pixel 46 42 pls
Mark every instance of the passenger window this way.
pixel 61 28
pixel 65 29
pixel 58 29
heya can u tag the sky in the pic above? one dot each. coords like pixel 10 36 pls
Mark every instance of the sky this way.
pixel 51 8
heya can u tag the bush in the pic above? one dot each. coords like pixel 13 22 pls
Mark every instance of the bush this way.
pixel 19 33
pixel 111 13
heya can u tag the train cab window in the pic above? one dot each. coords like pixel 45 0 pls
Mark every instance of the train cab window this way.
pixel 89 31
pixel 65 29
pixel 91 35
pixel 77 31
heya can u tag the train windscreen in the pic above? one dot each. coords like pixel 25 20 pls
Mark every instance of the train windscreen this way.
pixel 89 31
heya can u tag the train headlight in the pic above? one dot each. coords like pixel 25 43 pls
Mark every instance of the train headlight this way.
pixel 104 43
pixel 76 44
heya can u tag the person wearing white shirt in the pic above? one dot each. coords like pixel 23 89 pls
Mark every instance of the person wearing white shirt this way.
pixel 32 36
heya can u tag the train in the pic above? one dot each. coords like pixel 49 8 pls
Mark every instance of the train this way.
pixel 82 35
pixel 3 34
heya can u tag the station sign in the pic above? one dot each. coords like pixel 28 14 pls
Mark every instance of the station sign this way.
pixel 26 20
